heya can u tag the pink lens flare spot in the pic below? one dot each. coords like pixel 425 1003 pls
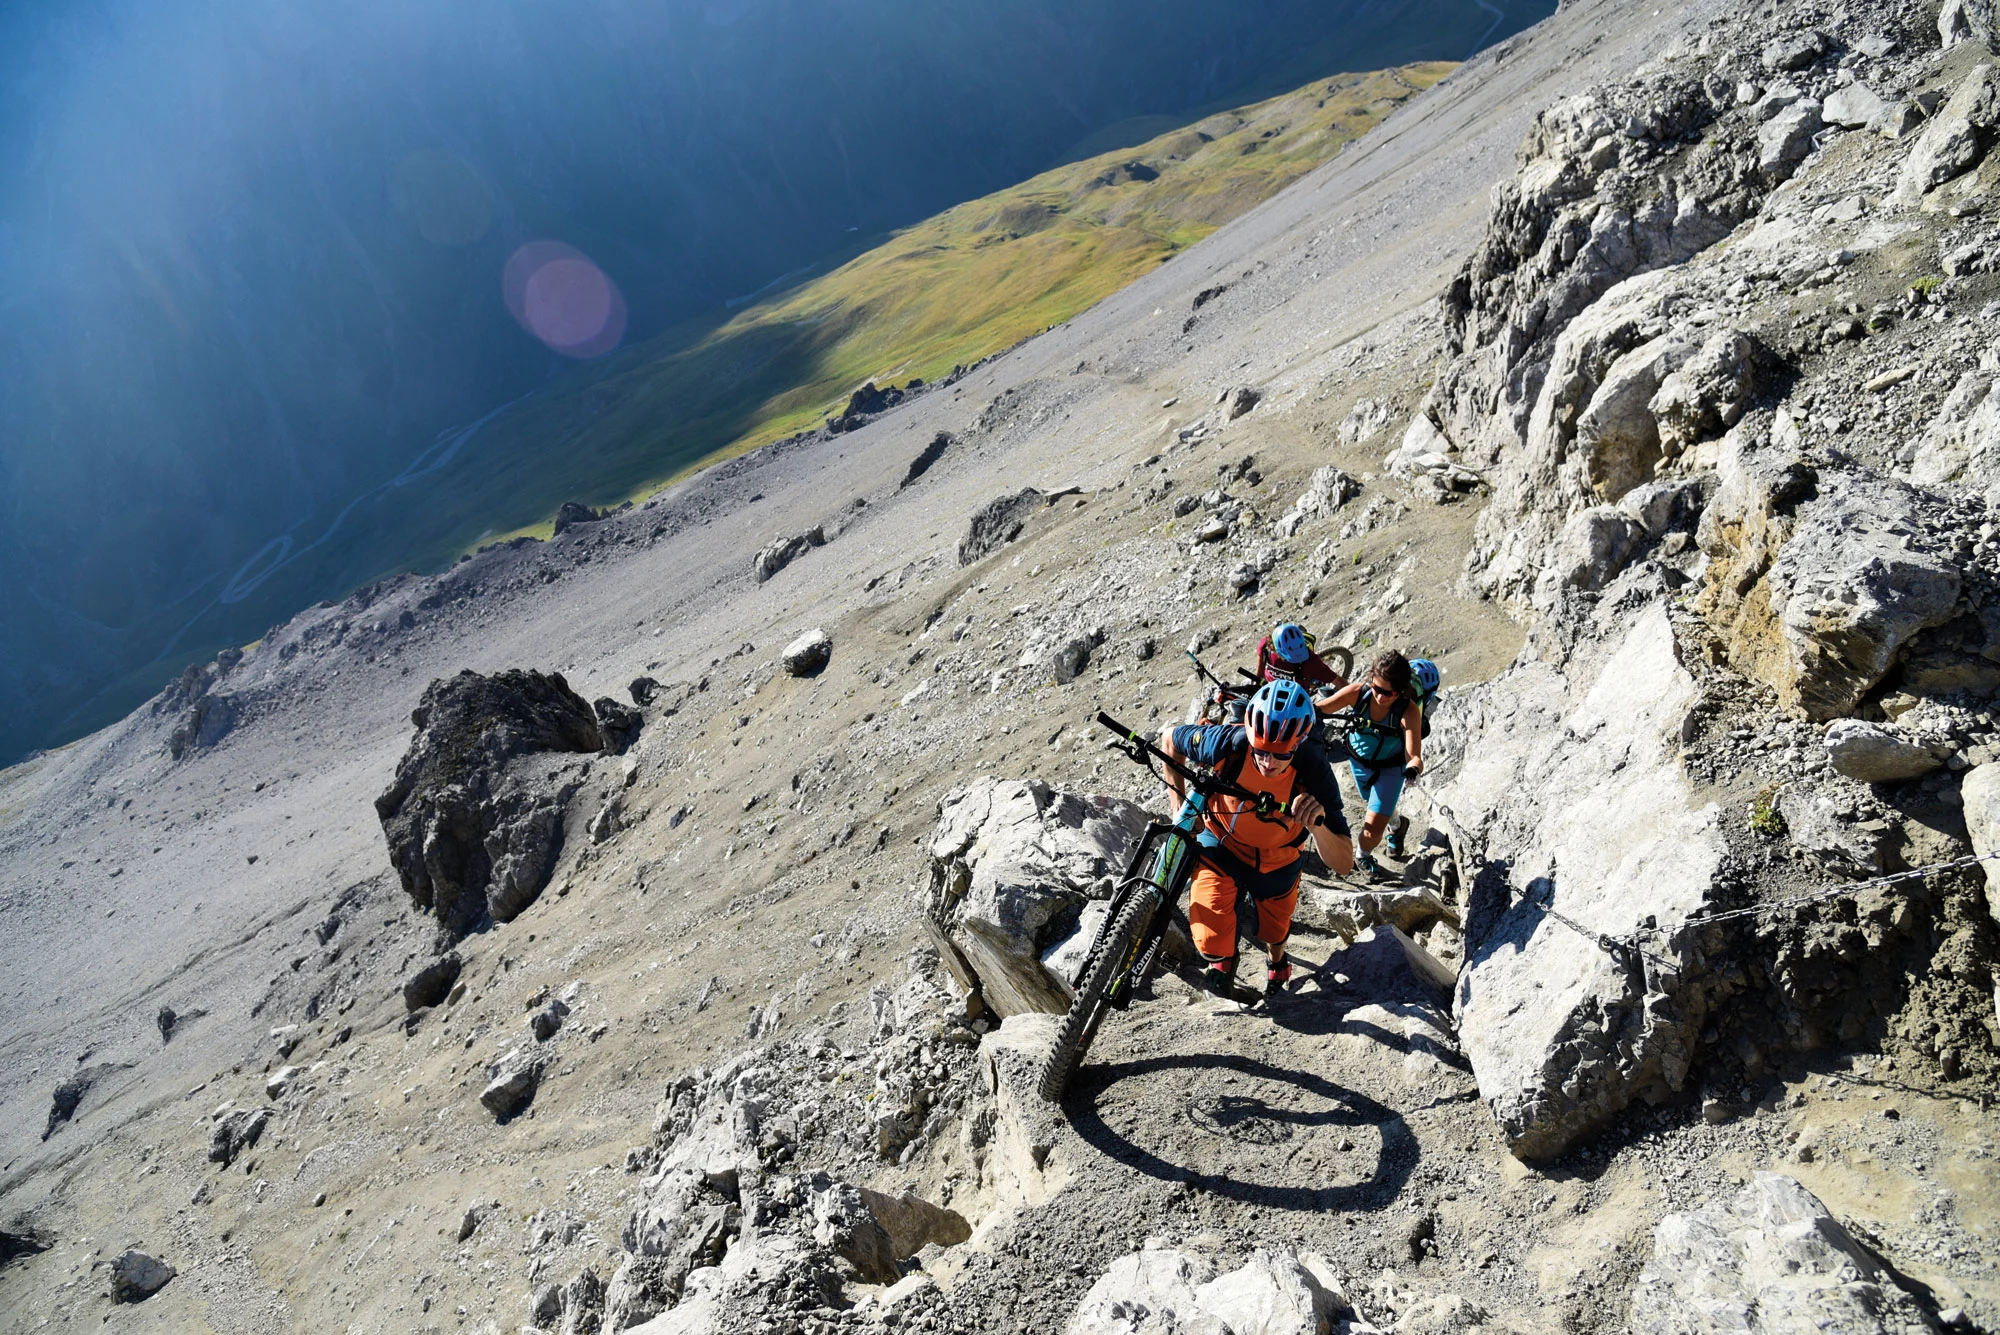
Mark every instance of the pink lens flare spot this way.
pixel 563 299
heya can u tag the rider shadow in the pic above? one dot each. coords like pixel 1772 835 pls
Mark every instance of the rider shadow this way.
pixel 1252 1121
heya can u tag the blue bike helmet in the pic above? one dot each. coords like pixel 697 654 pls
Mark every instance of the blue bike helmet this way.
pixel 1289 642
pixel 1424 675
pixel 1279 717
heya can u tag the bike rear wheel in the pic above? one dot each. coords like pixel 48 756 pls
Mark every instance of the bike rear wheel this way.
pixel 1113 960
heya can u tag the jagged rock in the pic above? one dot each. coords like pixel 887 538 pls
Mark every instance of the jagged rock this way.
pixel 1595 546
pixel 1618 433
pixel 1660 508
pixel 430 985
pixel 136 1277
pixel 1875 754
pixel 1012 863
pixel 68 1095
pixel 808 654
pixel 545 1306
pixel 281 1080
pixel 643 690
pixel 1560 1032
pixel 1855 107
pixel 471 832
pixel 1787 137
pixel 930 455
pixel 1962 444
pixel 1819 823
pixel 511 1084
pixel 1707 393
pixel 1363 420
pixel 682 1225
pixel 236 1132
pixel 1326 491
pixel 1148 1293
pixel 1349 913
pixel 1161 1291
pixel 1981 794
pixel 843 1225
pixel 571 513
pixel 617 723
pixel 474 1216
pixel 1242 400
pixel 1796 51
pixel 781 552
pixel 1773 1261
pixel 1958 136
pixel 1272 1293
pixel 205 722
pixel 166 1020
pixel 998 523
pixel 1849 576
pixel 642 1288
pixel 544 1023
pixel 1421 441
pixel 1069 659
pixel 583 1301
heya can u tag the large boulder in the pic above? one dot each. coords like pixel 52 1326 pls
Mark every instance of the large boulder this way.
pixel 1958 136
pixel 1873 753
pixel 808 654
pixel 1770 1261
pixel 1561 1031
pixel 135 1277
pixel 781 552
pixel 1962 447
pixel 474 817
pixel 998 523
pixel 1012 864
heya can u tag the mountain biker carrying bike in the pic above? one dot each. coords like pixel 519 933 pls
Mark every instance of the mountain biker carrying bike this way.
pixel 1385 740
pixel 1287 654
pixel 1258 858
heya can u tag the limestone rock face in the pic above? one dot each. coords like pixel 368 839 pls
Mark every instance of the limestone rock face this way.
pixel 1012 864
pixel 1771 1261
pixel 1561 1032
pixel 1959 134
pixel 472 824
pixel 1873 753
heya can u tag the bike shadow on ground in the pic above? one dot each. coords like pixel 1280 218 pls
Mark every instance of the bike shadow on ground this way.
pixel 1256 1123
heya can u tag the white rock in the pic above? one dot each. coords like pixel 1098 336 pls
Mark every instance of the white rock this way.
pixel 1025 1127
pixel 1015 856
pixel 1954 141
pixel 1981 793
pixel 1771 1261
pixel 1063 959
pixel 1420 438
pixel 1788 136
pixel 808 653
pixel 1562 1034
pixel 280 1080
pixel 1873 753
pixel 1270 1294
pixel 1150 1292
pixel 1854 107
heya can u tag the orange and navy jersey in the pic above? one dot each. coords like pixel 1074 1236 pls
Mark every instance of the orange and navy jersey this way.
pixel 1232 822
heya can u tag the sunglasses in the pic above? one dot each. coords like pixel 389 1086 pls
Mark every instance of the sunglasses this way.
pixel 1285 756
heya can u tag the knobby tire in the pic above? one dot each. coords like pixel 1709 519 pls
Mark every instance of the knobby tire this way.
pixel 1113 959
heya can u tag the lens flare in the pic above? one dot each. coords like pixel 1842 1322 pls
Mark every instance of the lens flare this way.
pixel 563 299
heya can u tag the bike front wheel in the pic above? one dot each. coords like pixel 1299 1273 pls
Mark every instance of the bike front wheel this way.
pixel 1111 964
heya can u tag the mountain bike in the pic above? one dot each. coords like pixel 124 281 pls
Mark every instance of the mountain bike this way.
pixel 1144 905
pixel 1224 701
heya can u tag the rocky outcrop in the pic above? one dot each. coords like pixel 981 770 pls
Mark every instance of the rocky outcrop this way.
pixel 474 816
pixel 924 461
pixel 234 1132
pixel 781 552
pixel 998 523
pixel 1563 1024
pixel 1774 1261
pixel 1012 864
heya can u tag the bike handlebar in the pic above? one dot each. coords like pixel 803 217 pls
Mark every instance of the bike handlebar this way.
pixel 1140 749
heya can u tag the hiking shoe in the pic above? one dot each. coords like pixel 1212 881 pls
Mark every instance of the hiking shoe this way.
pixel 1278 974
pixel 1396 836
pixel 1365 864
pixel 1219 980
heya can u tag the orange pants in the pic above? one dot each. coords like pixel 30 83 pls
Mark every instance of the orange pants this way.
pixel 1212 913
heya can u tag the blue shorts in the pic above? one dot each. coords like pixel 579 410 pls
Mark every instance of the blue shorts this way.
pixel 1380 786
